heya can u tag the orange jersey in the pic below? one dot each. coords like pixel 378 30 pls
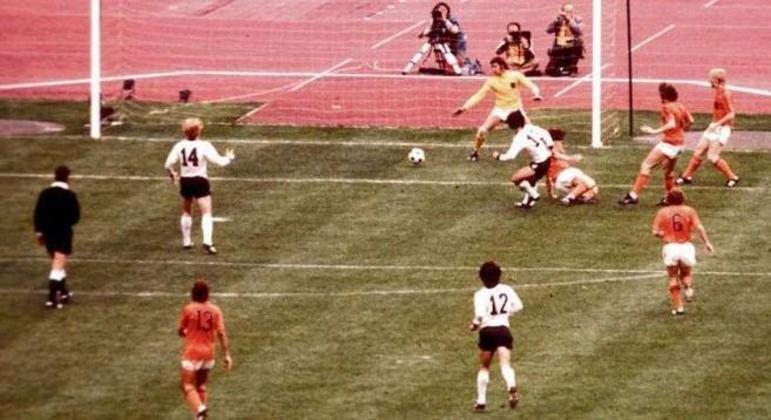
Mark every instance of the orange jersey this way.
pixel 682 117
pixel 675 223
pixel 200 322
pixel 723 106
pixel 557 165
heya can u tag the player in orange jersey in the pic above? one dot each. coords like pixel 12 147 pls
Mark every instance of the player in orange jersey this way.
pixel 201 322
pixel 673 224
pixel 716 136
pixel 577 186
pixel 675 120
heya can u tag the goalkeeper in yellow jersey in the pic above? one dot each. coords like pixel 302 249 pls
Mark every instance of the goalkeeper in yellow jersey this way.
pixel 506 84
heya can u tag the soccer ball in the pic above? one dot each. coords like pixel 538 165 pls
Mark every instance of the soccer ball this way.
pixel 416 156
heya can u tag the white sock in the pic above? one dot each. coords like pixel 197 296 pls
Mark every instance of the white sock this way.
pixel 633 194
pixel 207 227
pixel 508 375
pixel 525 199
pixel 483 378
pixel 525 185
pixel 201 408
pixel 57 274
pixel 186 225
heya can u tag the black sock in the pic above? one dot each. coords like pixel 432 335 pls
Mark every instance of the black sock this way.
pixel 63 287
pixel 53 286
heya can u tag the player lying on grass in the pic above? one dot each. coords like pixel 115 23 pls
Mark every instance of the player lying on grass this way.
pixel 577 186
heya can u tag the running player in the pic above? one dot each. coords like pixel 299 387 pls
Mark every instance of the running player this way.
pixel 673 224
pixel 717 134
pixel 201 322
pixel 538 144
pixel 193 155
pixel 675 120
pixel 577 186
pixel 506 84
pixel 493 305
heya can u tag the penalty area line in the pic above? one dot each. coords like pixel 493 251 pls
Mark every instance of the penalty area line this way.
pixel 372 267
pixel 383 293
pixel 349 181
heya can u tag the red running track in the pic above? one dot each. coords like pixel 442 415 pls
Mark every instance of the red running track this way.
pixel 337 62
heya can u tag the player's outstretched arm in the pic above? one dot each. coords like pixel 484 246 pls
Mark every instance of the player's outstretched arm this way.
pixel 225 344
pixel 703 235
pixel 668 126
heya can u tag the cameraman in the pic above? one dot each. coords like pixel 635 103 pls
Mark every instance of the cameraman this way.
pixel 567 27
pixel 445 36
pixel 517 49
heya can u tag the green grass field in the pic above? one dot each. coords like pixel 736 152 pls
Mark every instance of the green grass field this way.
pixel 346 278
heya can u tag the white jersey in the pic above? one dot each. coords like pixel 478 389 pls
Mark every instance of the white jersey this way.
pixel 193 156
pixel 533 139
pixel 493 307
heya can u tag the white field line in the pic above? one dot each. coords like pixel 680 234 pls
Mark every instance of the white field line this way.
pixel 579 81
pixel 398 34
pixel 305 75
pixel 710 3
pixel 320 75
pixel 373 267
pixel 378 144
pixel 393 292
pixel 350 181
pixel 634 48
pixel 652 37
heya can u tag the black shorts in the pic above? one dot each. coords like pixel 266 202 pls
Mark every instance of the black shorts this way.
pixel 194 187
pixel 540 170
pixel 58 242
pixel 490 338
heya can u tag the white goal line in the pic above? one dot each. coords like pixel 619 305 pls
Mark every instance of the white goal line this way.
pixel 316 180
pixel 345 75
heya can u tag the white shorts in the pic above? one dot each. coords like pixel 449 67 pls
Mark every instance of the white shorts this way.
pixel 197 364
pixel 503 113
pixel 669 150
pixel 679 253
pixel 719 134
pixel 564 181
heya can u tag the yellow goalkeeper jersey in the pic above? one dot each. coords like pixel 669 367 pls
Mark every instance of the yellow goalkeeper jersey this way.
pixel 506 87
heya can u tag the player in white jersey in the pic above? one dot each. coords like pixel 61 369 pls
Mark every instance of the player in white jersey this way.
pixel 493 305
pixel 193 156
pixel 538 144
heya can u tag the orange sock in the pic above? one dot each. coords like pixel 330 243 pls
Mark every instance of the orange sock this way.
pixel 723 167
pixel 479 141
pixel 674 293
pixel 640 182
pixel 669 182
pixel 693 165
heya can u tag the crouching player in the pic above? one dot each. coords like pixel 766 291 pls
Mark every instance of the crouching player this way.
pixel 577 186
pixel 539 144
pixel 201 321
pixel 673 224
pixel 493 305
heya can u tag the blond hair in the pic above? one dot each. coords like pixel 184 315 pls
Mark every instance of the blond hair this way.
pixel 717 73
pixel 192 127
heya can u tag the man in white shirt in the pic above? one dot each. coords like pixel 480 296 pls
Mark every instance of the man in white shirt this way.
pixel 538 144
pixel 193 155
pixel 493 305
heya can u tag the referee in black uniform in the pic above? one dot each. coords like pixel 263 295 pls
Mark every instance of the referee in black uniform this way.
pixel 56 212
